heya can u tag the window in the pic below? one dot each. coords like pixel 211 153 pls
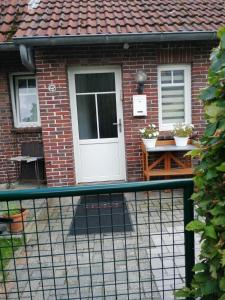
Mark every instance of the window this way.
pixel 174 90
pixel 25 101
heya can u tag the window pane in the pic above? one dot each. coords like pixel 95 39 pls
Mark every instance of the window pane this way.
pixel 86 111
pixel 172 104
pixel 27 101
pixel 178 76
pixel 107 115
pixel 22 83
pixel 28 108
pixel 99 82
pixel 166 77
pixel 31 83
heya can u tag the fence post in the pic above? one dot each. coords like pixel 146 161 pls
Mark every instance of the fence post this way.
pixel 188 235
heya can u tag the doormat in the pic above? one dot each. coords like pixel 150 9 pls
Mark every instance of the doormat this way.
pixel 101 214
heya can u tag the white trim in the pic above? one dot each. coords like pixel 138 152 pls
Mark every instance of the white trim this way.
pixel 13 80
pixel 72 70
pixel 187 93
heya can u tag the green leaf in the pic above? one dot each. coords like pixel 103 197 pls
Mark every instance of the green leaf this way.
pixel 209 287
pixel 222 297
pixel 184 293
pixel 221 167
pixel 210 231
pixel 222 284
pixel 209 93
pixel 217 210
pixel 199 267
pixel 196 226
pixel 212 173
pixel 223 258
pixel 219 221
pixel 221 32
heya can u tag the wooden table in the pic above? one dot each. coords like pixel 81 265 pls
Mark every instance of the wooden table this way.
pixel 168 155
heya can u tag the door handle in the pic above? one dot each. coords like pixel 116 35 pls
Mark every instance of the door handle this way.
pixel 119 124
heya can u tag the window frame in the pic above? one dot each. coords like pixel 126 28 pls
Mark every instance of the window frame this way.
pixel 13 78
pixel 187 93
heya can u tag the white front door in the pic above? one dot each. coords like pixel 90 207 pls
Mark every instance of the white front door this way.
pixel 95 95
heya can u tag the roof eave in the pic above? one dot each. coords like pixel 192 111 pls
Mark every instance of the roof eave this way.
pixel 8 46
pixel 116 38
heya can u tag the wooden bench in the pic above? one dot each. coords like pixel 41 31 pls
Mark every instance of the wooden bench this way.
pixel 168 155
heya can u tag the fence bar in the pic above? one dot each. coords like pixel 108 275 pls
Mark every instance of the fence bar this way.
pixel 188 235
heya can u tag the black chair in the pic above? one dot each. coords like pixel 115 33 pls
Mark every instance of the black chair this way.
pixel 30 164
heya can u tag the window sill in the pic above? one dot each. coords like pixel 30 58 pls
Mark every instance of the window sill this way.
pixel 26 130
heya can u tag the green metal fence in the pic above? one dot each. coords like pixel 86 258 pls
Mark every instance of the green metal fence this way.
pixel 116 241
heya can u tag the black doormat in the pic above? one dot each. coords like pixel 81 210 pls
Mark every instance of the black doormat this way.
pixel 101 214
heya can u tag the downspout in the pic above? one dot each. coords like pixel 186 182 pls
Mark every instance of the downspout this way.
pixel 27 58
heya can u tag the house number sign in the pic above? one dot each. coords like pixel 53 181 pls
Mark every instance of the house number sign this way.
pixel 52 88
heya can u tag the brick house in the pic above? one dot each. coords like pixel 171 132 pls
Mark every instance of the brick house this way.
pixel 67 79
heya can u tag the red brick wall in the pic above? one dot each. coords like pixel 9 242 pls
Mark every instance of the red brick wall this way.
pixel 10 139
pixel 52 66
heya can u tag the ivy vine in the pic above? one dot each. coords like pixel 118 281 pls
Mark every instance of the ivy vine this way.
pixel 209 197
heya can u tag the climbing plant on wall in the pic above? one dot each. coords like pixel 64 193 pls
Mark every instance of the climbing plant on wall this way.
pixel 209 273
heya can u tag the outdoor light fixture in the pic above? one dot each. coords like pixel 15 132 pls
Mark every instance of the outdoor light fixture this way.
pixel 140 77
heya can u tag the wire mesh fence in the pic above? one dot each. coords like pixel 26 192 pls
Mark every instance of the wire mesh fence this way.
pixel 124 241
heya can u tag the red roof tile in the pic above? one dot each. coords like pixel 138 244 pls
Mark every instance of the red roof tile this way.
pixel 95 17
pixel 11 13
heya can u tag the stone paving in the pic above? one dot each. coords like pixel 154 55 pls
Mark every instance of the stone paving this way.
pixel 146 263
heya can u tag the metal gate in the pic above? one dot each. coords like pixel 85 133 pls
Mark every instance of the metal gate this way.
pixel 119 241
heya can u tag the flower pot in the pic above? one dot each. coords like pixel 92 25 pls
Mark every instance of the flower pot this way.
pixel 181 141
pixel 149 143
pixel 17 224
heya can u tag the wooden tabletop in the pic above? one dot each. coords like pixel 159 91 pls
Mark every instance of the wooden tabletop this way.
pixel 171 148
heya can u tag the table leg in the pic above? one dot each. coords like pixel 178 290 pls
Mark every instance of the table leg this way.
pixel 37 174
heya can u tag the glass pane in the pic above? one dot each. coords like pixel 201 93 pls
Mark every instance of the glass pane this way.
pixel 178 76
pixel 99 82
pixel 28 108
pixel 86 111
pixel 166 77
pixel 31 83
pixel 173 104
pixel 22 83
pixel 107 115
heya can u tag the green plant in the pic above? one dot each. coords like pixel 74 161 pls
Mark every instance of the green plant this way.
pixel 182 130
pixel 7 247
pixel 13 210
pixel 149 132
pixel 209 274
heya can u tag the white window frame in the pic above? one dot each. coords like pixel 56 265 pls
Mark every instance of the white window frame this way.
pixel 13 78
pixel 187 94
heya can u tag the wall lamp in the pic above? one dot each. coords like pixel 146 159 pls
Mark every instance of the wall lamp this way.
pixel 140 77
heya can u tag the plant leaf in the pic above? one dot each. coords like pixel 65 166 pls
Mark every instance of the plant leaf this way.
pixel 196 226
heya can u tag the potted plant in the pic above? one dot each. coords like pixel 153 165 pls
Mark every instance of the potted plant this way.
pixel 149 135
pixel 17 217
pixel 181 133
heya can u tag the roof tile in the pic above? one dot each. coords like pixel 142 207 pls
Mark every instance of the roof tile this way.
pixel 91 17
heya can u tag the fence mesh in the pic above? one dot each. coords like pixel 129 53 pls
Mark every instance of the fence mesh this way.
pixel 102 246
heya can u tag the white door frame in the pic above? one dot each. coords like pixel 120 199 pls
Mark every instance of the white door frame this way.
pixel 72 70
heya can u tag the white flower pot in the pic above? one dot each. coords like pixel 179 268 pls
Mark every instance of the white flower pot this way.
pixel 149 143
pixel 181 141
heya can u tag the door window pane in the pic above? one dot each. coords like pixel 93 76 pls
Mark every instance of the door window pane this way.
pixel 107 115
pixel 98 82
pixel 87 117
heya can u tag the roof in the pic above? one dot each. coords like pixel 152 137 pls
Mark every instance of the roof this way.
pixel 55 18
pixel 11 13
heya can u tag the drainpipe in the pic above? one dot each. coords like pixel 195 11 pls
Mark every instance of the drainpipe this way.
pixel 27 58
